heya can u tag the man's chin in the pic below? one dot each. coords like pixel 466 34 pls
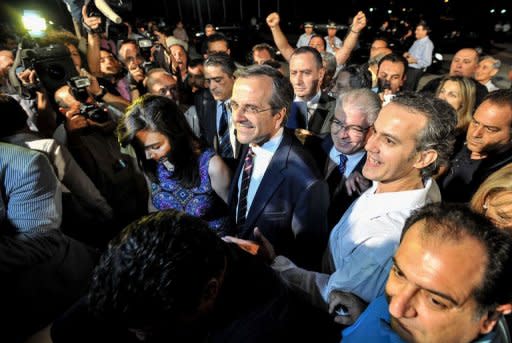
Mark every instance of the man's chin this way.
pixel 401 330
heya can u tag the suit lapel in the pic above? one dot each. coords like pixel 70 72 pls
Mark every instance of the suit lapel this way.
pixel 271 180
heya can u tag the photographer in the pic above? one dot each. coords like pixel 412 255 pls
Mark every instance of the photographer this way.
pixel 92 143
pixel 391 76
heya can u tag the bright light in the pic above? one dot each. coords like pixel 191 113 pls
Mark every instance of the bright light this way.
pixel 371 9
pixel 390 11
pixel 492 11
pixel 34 23
pixel 404 9
pixel 446 1
pixel 503 11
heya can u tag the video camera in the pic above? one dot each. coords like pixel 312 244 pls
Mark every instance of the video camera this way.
pixel 52 64
pixel 78 85
pixel 111 21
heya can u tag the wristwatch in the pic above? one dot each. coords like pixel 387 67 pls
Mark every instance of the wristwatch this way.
pixel 99 97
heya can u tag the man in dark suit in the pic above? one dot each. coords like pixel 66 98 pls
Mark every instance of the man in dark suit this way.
pixel 276 186
pixel 341 155
pixel 311 108
pixel 213 107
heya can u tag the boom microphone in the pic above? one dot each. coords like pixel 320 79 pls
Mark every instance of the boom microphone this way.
pixel 107 11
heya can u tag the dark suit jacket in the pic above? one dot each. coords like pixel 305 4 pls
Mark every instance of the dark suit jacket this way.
pixel 290 205
pixel 206 108
pixel 319 122
pixel 339 199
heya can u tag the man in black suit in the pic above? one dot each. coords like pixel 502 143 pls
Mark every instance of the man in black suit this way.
pixel 213 109
pixel 341 155
pixel 311 108
pixel 276 186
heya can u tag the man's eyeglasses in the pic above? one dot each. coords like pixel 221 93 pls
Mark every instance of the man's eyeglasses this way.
pixel 167 90
pixel 337 126
pixel 246 109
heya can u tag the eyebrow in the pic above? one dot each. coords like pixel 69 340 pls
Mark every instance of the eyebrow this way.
pixel 440 294
pixel 387 135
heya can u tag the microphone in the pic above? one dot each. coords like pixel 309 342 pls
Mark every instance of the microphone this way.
pixel 107 11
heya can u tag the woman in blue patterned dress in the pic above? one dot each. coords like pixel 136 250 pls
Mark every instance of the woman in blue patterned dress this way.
pixel 184 174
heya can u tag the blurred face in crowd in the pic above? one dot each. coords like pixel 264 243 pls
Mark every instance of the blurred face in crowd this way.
pixel 196 77
pixel 305 75
pixel 349 129
pixel 420 32
pixel 317 43
pixel 109 65
pixel 129 53
pixel 485 70
pixel 261 55
pixel 331 32
pixel 498 208
pixel 156 145
pixel 450 92
pixel 392 72
pixel 255 121
pixel 6 62
pixel 164 84
pixel 218 46
pixel 489 130
pixel 392 157
pixel 464 63
pixel 75 56
pixel 430 288
pixel 219 82
pixel 209 30
pixel 179 54
pixel 376 47
pixel 308 30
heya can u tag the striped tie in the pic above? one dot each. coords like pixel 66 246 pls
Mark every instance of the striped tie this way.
pixel 343 164
pixel 225 149
pixel 244 187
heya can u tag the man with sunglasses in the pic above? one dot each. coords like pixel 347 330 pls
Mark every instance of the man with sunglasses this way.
pixel 340 155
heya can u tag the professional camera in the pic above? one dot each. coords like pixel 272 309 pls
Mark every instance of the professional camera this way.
pixel 383 85
pixel 108 11
pixel 94 112
pixel 52 64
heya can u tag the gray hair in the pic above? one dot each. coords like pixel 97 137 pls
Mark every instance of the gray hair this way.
pixel 329 61
pixel 282 90
pixel 363 100
pixel 496 63
pixel 438 133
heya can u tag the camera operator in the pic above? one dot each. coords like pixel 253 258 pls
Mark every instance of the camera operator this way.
pixel 92 143
pixel 391 76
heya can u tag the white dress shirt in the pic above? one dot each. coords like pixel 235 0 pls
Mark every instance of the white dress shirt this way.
pixel 352 160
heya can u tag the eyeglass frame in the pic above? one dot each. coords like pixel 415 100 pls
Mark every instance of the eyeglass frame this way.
pixel 355 129
pixel 229 106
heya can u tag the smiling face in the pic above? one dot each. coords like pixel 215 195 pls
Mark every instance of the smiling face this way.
pixel 430 288
pixel 352 137
pixel 485 71
pixel 255 93
pixel 392 157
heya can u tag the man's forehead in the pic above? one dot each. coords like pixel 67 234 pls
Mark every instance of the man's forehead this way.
pixel 466 54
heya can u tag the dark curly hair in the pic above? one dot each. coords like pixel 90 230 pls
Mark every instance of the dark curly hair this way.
pixel 156 270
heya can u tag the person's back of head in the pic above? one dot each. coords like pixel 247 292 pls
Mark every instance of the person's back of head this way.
pixel 162 273
pixel 353 76
pixel 14 117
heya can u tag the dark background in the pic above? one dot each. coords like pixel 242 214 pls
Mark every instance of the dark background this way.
pixel 472 21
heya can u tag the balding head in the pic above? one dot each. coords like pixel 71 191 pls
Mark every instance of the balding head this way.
pixel 464 63
pixel 6 62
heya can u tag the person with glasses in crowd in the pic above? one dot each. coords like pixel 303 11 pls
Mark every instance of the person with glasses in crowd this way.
pixel 340 156
pixel 183 173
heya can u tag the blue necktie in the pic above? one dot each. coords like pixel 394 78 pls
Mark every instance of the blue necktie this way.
pixel 225 148
pixel 342 165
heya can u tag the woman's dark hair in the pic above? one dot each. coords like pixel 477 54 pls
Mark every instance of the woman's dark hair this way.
pixel 160 114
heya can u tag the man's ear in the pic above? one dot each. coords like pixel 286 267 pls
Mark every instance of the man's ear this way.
pixel 492 317
pixel 211 290
pixel 425 158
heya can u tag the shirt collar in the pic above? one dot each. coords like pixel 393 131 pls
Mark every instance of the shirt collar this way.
pixel 269 146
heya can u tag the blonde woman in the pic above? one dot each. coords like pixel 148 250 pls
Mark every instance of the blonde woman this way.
pixel 494 198
pixel 460 93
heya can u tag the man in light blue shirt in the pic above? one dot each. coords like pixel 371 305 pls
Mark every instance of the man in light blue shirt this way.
pixel 306 36
pixel 362 244
pixel 419 56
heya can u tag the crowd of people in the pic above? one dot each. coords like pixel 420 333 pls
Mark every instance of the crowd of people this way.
pixel 153 197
